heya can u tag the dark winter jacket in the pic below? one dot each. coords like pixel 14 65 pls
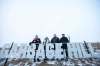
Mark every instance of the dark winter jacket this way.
pixel 55 40
pixel 64 40
pixel 36 40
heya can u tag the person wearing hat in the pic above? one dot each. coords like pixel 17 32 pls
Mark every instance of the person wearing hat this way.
pixel 46 41
pixel 37 41
pixel 54 40
pixel 64 40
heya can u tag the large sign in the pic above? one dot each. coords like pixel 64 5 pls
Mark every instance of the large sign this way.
pixel 75 50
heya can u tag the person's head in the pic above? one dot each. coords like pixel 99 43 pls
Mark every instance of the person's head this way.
pixel 63 35
pixel 46 38
pixel 54 35
pixel 36 36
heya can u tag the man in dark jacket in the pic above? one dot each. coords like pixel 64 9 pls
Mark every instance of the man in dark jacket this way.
pixel 54 40
pixel 64 40
pixel 37 41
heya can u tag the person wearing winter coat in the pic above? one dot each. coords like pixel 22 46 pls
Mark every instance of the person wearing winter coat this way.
pixel 54 40
pixel 37 41
pixel 64 40
pixel 45 42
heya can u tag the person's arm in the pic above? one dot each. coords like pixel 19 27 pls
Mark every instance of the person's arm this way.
pixel 52 40
pixel 30 43
pixel 33 41
pixel 60 40
pixel 48 41
pixel 67 40
pixel 39 40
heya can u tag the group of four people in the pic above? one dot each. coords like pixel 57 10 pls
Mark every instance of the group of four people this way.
pixel 64 40
pixel 55 39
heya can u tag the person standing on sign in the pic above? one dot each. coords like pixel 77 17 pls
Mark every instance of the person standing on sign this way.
pixel 64 40
pixel 54 40
pixel 37 41
pixel 46 41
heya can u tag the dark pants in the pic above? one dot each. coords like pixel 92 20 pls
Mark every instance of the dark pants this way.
pixel 37 46
pixel 54 46
pixel 45 51
pixel 64 47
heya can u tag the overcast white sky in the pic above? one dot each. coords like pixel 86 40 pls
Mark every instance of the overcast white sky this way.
pixel 20 20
